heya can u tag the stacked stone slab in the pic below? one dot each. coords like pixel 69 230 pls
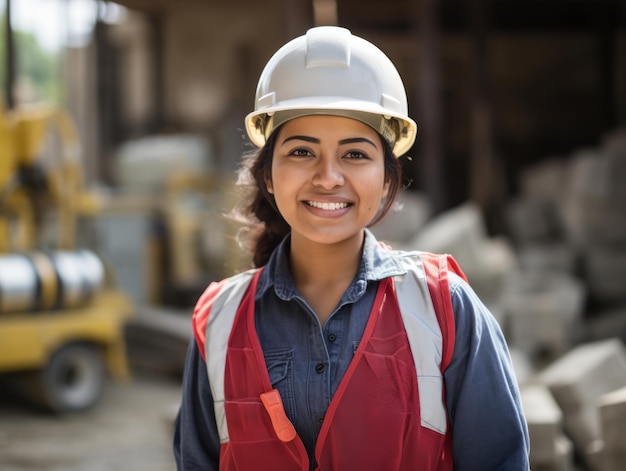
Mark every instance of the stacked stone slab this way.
pixel 461 231
pixel 535 216
pixel 570 218
pixel 577 381
pixel 612 408
pixel 536 221
pixel 551 256
pixel 543 312
pixel 544 302
pixel 595 216
pixel 407 217
pixel 550 449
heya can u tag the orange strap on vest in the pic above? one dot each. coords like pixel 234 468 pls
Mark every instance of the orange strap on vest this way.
pixel 273 404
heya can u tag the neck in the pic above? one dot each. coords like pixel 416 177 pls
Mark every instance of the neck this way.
pixel 325 264
pixel 323 272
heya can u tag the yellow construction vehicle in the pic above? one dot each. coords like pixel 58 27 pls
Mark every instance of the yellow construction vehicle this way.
pixel 61 316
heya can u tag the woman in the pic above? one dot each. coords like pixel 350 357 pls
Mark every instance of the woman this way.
pixel 338 353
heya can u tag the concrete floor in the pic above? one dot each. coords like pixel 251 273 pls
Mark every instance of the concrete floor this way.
pixel 129 430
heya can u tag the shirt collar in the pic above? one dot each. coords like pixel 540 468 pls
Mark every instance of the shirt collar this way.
pixel 377 262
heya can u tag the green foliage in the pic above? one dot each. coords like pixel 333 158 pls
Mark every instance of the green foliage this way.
pixel 40 66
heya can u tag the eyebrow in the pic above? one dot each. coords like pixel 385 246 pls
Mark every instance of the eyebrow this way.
pixel 314 140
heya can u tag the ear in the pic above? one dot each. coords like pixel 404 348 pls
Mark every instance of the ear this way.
pixel 269 186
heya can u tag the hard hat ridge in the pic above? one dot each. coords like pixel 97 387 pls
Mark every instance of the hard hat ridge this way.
pixel 327 46
pixel 329 71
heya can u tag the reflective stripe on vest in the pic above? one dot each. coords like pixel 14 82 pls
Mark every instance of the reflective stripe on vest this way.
pixel 219 325
pixel 418 316
pixel 424 334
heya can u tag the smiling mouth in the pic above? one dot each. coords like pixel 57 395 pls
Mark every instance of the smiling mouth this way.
pixel 327 206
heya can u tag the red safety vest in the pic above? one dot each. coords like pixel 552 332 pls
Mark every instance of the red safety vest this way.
pixel 388 412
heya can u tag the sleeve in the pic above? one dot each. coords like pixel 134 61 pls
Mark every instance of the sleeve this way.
pixel 489 430
pixel 196 440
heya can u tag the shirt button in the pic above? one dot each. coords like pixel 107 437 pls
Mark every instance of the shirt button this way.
pixel 319 367
pixel 332 337
pixel 321 420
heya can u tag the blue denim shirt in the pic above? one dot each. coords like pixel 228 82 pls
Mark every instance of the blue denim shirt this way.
pixel 306 363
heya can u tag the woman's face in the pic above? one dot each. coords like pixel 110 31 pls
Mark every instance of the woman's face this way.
pixel 328 177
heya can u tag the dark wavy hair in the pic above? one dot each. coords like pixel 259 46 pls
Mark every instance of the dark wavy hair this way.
pixel 264 226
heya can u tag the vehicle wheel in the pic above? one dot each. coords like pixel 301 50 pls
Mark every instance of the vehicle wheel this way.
pixel 74 378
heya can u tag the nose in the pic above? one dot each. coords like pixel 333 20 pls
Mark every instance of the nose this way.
pixel 328 174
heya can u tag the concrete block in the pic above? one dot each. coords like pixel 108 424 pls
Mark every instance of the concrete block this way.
pixel 594 456
pixel 409 214
pixel 582 425
pixel 544 419
pixel 594 207
pixel 564 454
pixel 532 220
pixel 564 457
pixel 578 379
pixel 545 180
pixel 548 256
pixel 543 312
pixel 461 232
pixel 595 221
pixel 499 262
pixel 612 408
pixel 586 372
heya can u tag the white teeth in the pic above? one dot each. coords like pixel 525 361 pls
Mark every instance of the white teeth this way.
pixel 327 206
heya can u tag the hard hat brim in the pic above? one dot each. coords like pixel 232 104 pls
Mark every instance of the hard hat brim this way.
pixel 257 122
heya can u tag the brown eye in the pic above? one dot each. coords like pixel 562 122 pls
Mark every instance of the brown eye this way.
pixel 300 152
pixel 356 155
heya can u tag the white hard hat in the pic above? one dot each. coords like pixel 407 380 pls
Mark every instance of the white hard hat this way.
pixel 329 71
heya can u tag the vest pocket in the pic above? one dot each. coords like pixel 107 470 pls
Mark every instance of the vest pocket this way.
pixel 253 442
pixel 279 365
